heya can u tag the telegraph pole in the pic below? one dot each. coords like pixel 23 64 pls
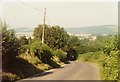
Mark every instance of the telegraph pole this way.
pixel 43 26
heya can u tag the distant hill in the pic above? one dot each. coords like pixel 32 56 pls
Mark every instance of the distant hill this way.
pixel 96 30
pixel 24 31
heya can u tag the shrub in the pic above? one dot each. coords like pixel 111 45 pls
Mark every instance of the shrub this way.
pixel 30 59
pixel 84 49
pixel 9 76
pixel 24 48
pixel 60 54
pixel 106 51
pixel 109 64
pixel 42 51
pixel 72 54
pixel 10 47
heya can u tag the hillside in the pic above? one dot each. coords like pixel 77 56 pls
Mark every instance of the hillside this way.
pixel 95 30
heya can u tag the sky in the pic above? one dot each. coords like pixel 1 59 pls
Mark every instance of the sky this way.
pixel 66 14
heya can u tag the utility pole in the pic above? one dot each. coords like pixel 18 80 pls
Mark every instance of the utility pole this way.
pixel 43 26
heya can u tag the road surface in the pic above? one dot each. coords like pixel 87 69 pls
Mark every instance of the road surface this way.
pixel 72 71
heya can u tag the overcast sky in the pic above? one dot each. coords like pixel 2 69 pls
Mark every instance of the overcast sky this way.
pixel 66 14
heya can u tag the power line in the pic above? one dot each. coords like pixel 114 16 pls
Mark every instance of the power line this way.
pixel 40 11
pixel 35 9
pixel 48 21
pixel 52 24
pixel 31 6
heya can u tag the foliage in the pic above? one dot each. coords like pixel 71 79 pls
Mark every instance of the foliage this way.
pixel 110 70
pixel 106 51
pixel 84 49
pixel 42 51
pixel 60 54
pixel 24 44
pixel 108 59
pixel 72 54
pixel 108 64
pixel 23 40
pixel 35 46
pixel 10 76
pixel 24 48
pixel 73 41
pixel 85 42
pixel 118 41
pixel 107 42
pixel 90 56
pixel 10 46
pixel 30 59
pixel 38 54
pixel 58 47
pixel 55 36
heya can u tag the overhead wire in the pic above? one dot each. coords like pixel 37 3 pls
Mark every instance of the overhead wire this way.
pixel 47 18
pixel 31 6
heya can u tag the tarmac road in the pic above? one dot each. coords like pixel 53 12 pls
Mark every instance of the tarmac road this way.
pixel 73 71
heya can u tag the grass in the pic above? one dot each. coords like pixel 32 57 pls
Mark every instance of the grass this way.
pixel 89 57
pixel 19 70
pixel 27 65
pixel 10 76
pixel 108 64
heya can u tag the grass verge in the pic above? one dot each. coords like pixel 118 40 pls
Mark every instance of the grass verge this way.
pixel 108 64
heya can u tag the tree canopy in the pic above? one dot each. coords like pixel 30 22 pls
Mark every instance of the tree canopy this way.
pixel 55 36
pixel 10 45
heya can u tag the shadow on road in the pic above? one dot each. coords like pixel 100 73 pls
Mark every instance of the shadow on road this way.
pixel 59 67
pixel 42 74
pixel 68 62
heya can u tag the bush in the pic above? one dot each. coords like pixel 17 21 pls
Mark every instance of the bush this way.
pixel 9 76
pixel 35 47
pixel 24 48
pixel 46 54
pixel 42 51
pixel 60 54
pixel 106 51
pixel 91 56
pixel 10 47
pixel 109 64
pixel 30 59
pixel 84 49
pixel 72 54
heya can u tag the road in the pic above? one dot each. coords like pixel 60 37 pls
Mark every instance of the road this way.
pixel 73 71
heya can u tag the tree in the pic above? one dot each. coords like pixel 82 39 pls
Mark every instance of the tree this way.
pixel 42 51
pixel 55 36
pixel 23 40
pixel 72 54
pixel 24 44
pixel 10 46
pixel 73 41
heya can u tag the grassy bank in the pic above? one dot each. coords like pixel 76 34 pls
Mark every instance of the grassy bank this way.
pixel 108 64
pixel 26 66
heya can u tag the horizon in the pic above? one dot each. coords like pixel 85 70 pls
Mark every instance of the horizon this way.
pixel 94 30
pixel 67 27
